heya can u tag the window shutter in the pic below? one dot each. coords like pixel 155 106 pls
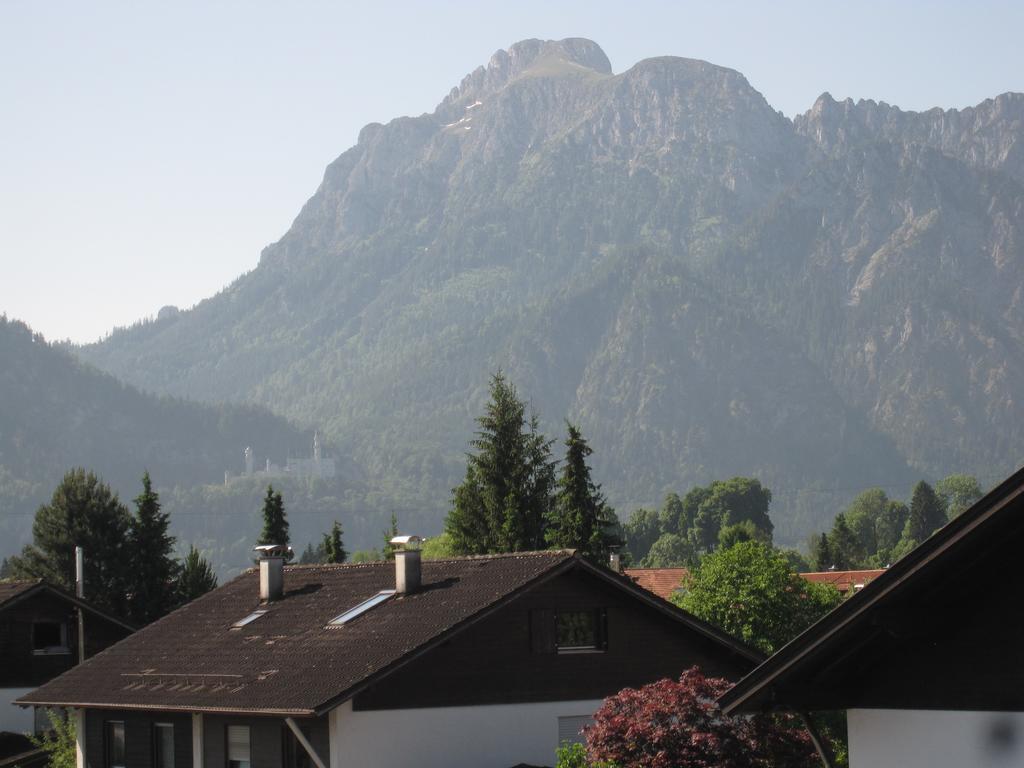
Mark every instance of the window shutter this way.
pixel 569 728
pixel 542 631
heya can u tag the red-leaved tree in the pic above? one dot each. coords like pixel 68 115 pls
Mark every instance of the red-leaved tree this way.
pixel 678 724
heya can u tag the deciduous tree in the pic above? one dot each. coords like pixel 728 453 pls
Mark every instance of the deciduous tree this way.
pixel 672 723
pixel 751 592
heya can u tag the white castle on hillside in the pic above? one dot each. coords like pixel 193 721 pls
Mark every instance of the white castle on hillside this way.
pixel 317 466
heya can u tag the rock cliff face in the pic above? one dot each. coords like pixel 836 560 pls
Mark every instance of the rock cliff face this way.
pixel 706 286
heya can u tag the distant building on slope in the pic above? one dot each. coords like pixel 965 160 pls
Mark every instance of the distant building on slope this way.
pixel 316 466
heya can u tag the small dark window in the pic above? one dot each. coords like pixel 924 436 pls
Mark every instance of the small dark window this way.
pixel 580 630
pixel 114 744
pixel 49 637
pixel 163 745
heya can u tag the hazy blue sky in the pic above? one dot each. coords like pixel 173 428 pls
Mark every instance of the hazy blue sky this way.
pixel 149 151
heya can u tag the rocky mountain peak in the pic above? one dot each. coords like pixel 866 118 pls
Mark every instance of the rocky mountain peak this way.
pixel 550 57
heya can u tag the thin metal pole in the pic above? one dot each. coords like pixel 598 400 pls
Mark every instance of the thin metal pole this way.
pixel 80 593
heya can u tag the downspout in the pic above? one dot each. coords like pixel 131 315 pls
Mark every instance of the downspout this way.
pixel 80 594
pixel 301 737
pixel 819 743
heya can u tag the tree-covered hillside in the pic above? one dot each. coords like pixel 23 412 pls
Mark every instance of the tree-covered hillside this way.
pixel 707 288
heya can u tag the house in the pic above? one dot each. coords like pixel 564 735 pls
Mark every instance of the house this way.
pixel 927 659
pixel 665 582
pixel 847 582
pixel 479 661
pixel 38 641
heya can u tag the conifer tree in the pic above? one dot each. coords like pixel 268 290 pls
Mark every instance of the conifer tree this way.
pixel 844 545
pixel 84 512
pixel 196 577
pixel 275 523
pixel 154 572
pixel 926 513
pixel 823 554
pixel 581 518
pixel 388 534
pixel 503 503
pixel 334 548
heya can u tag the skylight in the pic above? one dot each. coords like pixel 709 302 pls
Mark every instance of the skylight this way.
pixel 248 619
pixel 363 607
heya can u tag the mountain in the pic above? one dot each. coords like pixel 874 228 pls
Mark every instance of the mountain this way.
pixel 58 413
pixel 707 287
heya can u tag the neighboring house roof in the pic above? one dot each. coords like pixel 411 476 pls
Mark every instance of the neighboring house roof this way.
pixel 288 661
pixel 844 581
pixel 936 630
pixel 664 582
pixel 661 581
pixel 14 592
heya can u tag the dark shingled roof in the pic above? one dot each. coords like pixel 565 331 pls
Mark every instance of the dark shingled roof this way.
pixel 11 589
pixel 288 661
pixel 12 592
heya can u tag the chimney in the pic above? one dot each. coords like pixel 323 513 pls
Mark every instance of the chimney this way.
pixel 272 557
pixel 615 561
pixel 407 564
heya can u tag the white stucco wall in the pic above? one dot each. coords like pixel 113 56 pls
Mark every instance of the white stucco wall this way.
pixel 15 719
pixel 493 736
pixel 887 738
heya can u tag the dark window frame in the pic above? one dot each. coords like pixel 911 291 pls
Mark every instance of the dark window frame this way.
pixel 156 728
pixel 61 648
pixel 599 619
pixel 108 746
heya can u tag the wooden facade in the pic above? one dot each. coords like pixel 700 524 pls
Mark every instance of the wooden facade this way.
pixel 21 624
pixel 503 659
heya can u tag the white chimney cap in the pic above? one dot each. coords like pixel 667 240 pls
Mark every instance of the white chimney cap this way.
pixel 272 550
pixel 405 541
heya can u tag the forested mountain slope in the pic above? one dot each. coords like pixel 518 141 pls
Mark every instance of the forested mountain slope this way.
pixel 56 413
pixel 707 287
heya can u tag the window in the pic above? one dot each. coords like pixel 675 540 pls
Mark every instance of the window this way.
pixel 114 743
pixel 579 630
pixel 363 607
pixel 569 631
pixel 163 745
pixel 239 750
pixel 49 637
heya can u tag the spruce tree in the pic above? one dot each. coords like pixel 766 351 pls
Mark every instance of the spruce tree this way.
pixel 581 518
pixel 154 570
pixel 844 545
pixel 334 548
pixel 503 503
pixel 927 513
pixel 196 577
pixel 388 534
pixel 84 512
pixel 275 523
pixel 823 554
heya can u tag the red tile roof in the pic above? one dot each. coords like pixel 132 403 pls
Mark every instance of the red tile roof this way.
pixel 661 581
pixel 844 581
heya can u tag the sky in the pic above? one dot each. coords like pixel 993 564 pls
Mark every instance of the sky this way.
pixel 149 151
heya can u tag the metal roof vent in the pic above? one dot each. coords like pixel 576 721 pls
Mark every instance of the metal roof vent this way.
pixel 272 557
pixel 407 564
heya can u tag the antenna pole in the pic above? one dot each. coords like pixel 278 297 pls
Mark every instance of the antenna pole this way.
pixel 80 593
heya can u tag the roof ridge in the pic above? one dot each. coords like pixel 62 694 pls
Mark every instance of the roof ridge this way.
pixel 449 559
